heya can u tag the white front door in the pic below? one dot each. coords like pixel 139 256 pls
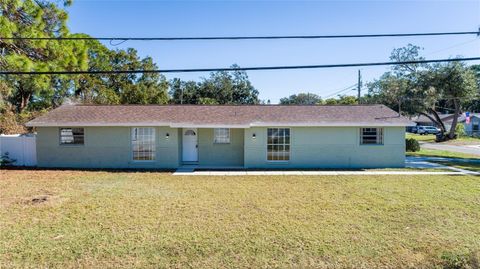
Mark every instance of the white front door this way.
pixel 190 145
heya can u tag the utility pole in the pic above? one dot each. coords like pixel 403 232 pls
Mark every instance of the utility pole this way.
pixel 181 96
pixel 359 85
pixel 399 106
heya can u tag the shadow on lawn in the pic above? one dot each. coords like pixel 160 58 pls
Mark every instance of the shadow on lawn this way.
pixel 111 170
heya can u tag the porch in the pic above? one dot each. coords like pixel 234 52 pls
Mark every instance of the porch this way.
pixel 211 148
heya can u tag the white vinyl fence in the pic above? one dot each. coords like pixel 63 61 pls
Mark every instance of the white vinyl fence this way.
pixel 21 148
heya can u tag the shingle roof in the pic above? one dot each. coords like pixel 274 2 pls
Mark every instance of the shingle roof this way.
pixel 241 116
pixel 422 118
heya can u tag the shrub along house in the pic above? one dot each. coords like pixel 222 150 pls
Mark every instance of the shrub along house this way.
pixel 257 136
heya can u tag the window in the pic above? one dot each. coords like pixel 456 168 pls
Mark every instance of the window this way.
pixel 221 136
pixel 475 127
pixel 278 144
pixel 190 132
pixel 72 136
pixel 143 144
pixel 371 136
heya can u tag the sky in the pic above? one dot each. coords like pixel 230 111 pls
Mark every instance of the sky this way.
pixel 265 18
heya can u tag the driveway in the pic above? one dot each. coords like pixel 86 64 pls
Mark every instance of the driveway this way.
pixel 467 149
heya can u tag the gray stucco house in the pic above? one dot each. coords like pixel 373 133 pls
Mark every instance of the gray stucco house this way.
pixel 256 136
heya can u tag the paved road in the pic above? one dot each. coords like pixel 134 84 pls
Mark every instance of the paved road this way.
pixel 467 149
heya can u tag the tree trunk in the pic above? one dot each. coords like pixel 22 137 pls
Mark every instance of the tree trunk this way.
pixel 24 98
pixel 440 122
pixel 24 102
pixel 435 120
pixel 451 135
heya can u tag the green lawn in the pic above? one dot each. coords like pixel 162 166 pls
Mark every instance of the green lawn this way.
pixel 424 138
pixel 441 153
pixel 466 140
pixel 65 219
pixel 431 139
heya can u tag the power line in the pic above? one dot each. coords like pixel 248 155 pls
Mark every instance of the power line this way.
pixel 342 90
pixel 451 47
pixel 247 37
pixel 258 68
pixel 442 98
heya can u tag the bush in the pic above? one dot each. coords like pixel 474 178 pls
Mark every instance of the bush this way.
pixel 412 145
pixel 14 123
pixel 5 160
pixel 9 123
pixel 460 130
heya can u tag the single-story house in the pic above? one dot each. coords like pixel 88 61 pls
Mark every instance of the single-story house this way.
pixel 473 127
pixel 220 136
pixel 422 120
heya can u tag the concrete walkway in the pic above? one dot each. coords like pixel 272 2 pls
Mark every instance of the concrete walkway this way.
pixel 410 162
pixel 313 173
pixel 431 162
pixel 412 159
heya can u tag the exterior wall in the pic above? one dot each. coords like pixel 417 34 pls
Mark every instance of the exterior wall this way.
pixel 311 147
pixel 211 154
pixel 469 127
pixel 105 147
pixel 328 147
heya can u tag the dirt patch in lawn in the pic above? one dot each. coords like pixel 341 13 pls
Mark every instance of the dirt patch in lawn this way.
pixel 39 199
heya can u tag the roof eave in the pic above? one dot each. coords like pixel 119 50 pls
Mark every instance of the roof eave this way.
pixel 201 125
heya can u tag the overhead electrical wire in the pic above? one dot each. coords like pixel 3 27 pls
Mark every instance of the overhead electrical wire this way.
pixel 258 68
pixel 451 47
pixel 247 37
pixel 344 89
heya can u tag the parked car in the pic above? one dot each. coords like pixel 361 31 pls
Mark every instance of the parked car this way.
pixel 411 129
pixel 424 130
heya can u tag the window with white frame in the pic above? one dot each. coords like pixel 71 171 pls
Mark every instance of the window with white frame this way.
pixel 221 136
pixel 278 144
pixel 143 144
pixel 72 136
pixel 371 136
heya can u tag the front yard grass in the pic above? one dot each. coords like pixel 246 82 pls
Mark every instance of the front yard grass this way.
pixel 463 140
pixel 463 165
pixel 421 138
pixel 441 153
pixel 65 219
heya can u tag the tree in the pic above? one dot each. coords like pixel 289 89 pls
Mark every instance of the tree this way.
pixel 223 87
pixel 39 19
pixel 347 100
pixel 456 83
pixel 301 99
pixel 183 92
pixel 92 88
pixel 330 101
pixel 473 104
pixel 146 88
pixel 419 88
pixel 341 100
